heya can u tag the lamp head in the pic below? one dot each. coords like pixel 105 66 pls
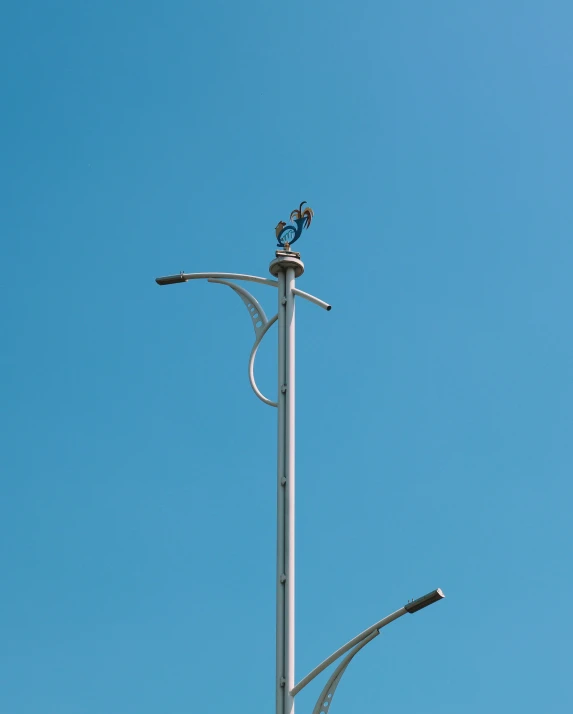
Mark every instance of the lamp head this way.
pixel 171 279
pixel 424 601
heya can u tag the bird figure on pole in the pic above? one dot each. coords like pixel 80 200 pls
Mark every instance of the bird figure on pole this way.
pixel 287 234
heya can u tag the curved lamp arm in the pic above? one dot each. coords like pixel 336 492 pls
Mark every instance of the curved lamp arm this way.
pixel 360 641
pixel 348 646
pixel 185 277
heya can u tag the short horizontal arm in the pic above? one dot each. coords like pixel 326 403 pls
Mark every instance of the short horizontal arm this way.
pixel 311 298
pixel 184 277
pixel 348 646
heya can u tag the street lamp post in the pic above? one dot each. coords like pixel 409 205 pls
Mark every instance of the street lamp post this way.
pixel 286 268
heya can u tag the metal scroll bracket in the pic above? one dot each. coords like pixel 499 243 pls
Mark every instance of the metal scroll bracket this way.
pixel 261 325
pixel 325 700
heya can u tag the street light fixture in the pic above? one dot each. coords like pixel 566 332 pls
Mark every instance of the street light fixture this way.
pixel 285 268
pixel 424 601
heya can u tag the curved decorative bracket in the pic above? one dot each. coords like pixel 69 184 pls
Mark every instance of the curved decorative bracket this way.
pixel 261 325
pixel 325 700
pixel 252 362
pixel 252 304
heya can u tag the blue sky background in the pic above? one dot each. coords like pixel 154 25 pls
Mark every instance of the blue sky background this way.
pixel 433 141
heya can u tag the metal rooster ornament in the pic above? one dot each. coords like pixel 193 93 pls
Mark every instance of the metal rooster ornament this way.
pixel 288 233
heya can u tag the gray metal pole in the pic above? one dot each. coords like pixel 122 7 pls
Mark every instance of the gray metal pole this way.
pixel 281 480
pixel 286 268
pixel 290 489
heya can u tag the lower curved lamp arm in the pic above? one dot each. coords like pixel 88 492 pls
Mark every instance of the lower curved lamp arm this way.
pixel 348 646
pixel 355 645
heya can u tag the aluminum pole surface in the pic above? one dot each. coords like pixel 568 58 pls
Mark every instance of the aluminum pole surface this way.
pixel 281 480
pixel 286 268
pixel 289 489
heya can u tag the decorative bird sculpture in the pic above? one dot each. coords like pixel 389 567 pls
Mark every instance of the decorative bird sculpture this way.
pixel 287 234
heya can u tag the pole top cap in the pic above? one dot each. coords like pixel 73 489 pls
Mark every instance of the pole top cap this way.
pixel 287 259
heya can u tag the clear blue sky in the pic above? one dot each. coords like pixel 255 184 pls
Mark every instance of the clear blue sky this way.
pixel 433 140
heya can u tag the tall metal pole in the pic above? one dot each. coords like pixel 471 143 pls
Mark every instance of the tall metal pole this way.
pixel 286 268
pixel 281 482
pixel 289 487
